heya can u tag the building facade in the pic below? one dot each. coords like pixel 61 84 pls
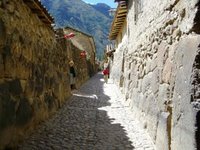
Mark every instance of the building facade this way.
pixel 158 56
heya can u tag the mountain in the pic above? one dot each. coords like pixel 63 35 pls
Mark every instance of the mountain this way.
pixel 91 19
pixel 102 8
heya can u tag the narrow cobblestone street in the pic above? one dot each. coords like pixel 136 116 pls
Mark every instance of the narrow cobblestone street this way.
pixel 94 118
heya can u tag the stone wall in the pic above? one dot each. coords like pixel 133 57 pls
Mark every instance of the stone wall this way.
pixel 160 76
pixel 80 64
pixel 82 42
pixel 84 67
pixel 34 78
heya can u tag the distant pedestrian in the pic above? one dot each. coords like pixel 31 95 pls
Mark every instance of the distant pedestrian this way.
pixel 106 73
pixel 106 64
pixel 106 70
pixel 72 75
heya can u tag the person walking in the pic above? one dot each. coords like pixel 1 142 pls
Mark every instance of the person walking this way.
pixel 106 70
pixel 106 73
pixel 72 75
pixel 106 64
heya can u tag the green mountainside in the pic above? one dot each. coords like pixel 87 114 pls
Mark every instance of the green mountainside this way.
pixel 87 18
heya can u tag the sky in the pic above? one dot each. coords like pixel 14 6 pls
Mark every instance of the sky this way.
pixel 111 3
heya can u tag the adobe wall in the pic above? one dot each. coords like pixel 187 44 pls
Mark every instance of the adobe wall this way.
pixel 161 68
pixel 34 78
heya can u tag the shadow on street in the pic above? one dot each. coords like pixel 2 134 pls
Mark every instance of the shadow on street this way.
pixel 80 124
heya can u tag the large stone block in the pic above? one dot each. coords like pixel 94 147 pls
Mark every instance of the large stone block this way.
pixel 154 81
pixel 162 54
pixel 15 87
pixel 167 71
pixel 162 137
pixel 146 82
pixel 24 112
pixel 7 110
pixel 163 97
pixel 183 113
pixel 3 33
pixel 50 100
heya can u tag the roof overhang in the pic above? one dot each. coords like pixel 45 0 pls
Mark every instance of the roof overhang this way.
pixel 37 8
pixel 119 19
pixel 76 30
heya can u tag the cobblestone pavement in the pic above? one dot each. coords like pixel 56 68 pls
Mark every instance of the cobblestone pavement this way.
pixel 92 119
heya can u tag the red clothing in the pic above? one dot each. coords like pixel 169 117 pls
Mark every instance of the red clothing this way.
pixel 106 72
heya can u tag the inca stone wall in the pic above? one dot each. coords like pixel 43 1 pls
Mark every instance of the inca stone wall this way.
pixel 34 78
pixel 161 70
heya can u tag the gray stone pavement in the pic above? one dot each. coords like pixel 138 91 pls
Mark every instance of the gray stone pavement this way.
pixel 94 118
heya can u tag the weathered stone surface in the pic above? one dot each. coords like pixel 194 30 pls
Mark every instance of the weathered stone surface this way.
pixel 167 71
pixel 116 74
pixel 3 33
pixel 34 70
pixel 146 82
pixel 163 97
pixel 155 81
pixel 162 54
pixel 162 135
pixel 23 113
pixel 164 50
pixel 7 111
pixel 184 115
pixel 32 65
